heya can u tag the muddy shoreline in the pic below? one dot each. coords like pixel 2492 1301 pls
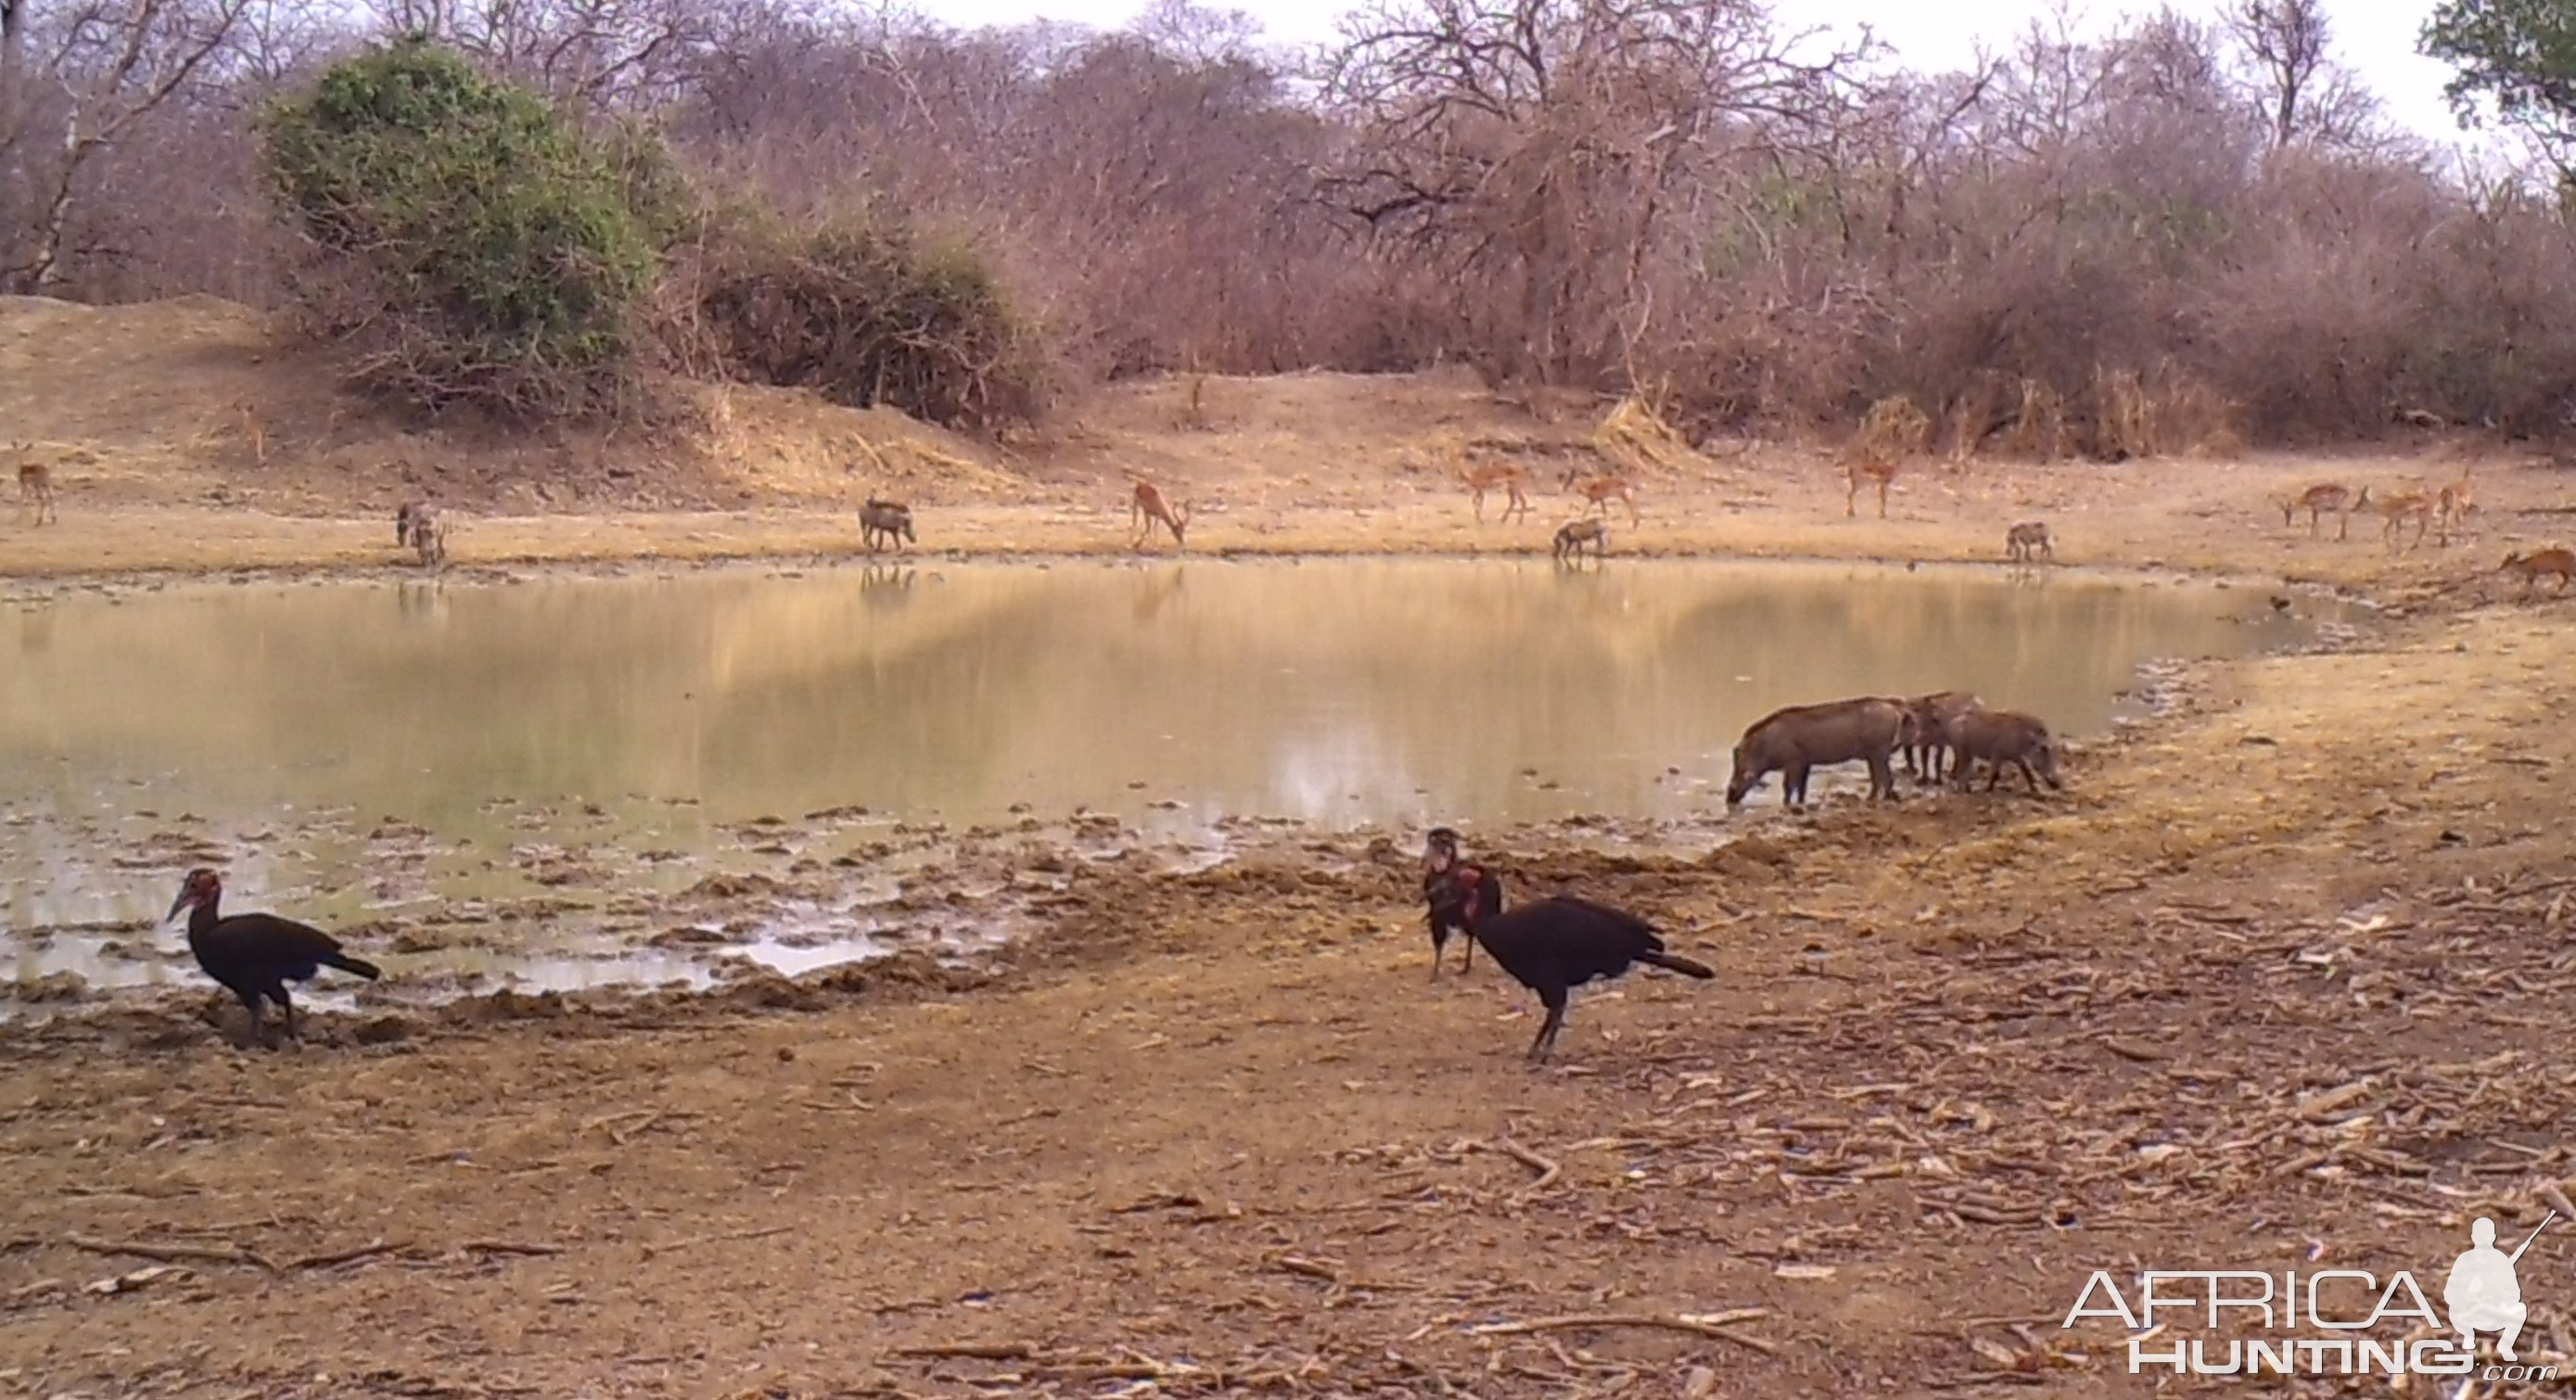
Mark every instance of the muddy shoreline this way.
pixel 614 916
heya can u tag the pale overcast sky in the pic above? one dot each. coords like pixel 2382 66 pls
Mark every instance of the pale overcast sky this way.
pixel 2374 37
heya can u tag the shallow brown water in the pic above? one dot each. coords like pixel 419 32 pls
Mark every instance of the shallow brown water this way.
pixel 386 750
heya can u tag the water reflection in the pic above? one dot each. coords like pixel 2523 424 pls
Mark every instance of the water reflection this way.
pixel 303 733
pixel 1326 690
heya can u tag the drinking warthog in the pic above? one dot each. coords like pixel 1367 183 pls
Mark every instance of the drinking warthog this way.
pixel 1572 537
pixel 428 536
pixel 404 515
pixel 2000 737
pixel 1933 714
pixel 890 519
pixel 1793 740
pixel 2027 541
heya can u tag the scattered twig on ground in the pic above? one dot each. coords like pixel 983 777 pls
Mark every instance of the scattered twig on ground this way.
pixel 509 1247
pixel 173 1253
pixel 655 1250
pixel 1548 1171
pixel 971 1351
pixel 1701 1324
pixel 337 1257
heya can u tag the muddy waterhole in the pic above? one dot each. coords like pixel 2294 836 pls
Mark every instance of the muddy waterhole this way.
pixel 647 779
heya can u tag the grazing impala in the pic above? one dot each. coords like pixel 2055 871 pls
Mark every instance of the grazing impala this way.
pixel 36 488
pixel 1598 491
pixel 1510 479
pixel 1863 473
pixel 2398 507
pixel 2452 506
pixel 2322 497
pixel 1147 506
pixel 2558 563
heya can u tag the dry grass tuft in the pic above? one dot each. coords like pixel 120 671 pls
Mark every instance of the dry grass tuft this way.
pixel 1893 431
pixel 2038 430
pixel 2169 413
pixel 1638 439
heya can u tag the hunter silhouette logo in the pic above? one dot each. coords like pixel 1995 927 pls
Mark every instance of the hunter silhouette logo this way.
pixel 2483 1294
pixel 2329 1322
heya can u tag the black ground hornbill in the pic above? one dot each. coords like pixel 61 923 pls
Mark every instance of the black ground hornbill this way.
pixel 256 955
pixel 1454 890
pixel 1553 944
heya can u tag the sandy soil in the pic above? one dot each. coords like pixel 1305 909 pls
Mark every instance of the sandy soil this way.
pixel 2279 983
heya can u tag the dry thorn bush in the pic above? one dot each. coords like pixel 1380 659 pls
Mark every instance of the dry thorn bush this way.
pixel 1893 432
pixel 2149 241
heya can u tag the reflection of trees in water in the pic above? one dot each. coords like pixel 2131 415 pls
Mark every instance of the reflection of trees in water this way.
pixel 584 687
pixel 990 684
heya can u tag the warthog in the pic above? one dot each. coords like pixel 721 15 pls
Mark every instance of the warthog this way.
pixel 1865 730
pixel 1933 715
pixel 428 536
pixel 2027 540
pixel 1999 737
pixel 404 515
pixel 889 520
pixel 1571 538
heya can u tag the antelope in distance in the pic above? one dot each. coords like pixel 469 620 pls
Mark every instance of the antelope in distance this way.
pixel 35 488
pixel 1864 473
pixel 2556 562
pixel 2322 497
pixel 2452 506
pixel 1479 480
pixel 1146 506
pixel 1599 490
pixel 1573 535
pixel 2028 540
pixel 2398 507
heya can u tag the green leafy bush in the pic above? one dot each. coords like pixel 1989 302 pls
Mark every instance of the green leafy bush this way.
pixel 470 246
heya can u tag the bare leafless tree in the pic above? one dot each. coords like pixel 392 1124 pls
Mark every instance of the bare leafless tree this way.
pixel 595 55
pixel 73 82
pixel 2288 46
pixel 1540 143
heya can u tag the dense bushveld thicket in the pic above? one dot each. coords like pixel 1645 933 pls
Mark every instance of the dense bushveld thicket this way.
pixel 2112 245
